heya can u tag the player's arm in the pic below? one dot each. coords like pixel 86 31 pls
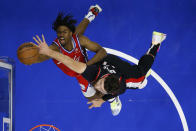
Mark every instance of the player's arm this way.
pixel 92 13
pixel 95 103
pixel 42 58
pixel 78 67
pixel 44 49
pixel 93 46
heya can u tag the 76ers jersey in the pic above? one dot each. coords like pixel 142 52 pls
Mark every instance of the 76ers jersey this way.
pixel 77 53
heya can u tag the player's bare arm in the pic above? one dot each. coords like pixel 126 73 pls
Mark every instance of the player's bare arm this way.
pixel 95 103
pixel 93 46
pixel 80 29
pixel 44 49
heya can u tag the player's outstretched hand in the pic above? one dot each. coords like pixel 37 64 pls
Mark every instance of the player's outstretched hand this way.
pixel 95 103
pixel 42 45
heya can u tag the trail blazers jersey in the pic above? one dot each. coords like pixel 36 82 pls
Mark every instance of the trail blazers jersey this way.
pixel 130 76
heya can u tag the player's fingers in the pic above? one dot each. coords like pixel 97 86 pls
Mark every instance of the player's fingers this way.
pixel 89 102
pixel 90 107
pixel 43 38
pixel 38 39
pixel 34 44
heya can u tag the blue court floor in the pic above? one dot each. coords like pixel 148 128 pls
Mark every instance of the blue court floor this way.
pixel 45 95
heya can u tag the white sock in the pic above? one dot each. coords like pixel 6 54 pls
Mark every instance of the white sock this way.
pixel 90 16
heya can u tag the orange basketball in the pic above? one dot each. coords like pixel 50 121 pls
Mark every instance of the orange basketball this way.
pixel 28 53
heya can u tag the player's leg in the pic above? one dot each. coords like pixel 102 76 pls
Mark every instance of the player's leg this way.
pixel 147 60
pixel 94 10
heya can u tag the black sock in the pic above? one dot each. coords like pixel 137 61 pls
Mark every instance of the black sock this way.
pixel 153 49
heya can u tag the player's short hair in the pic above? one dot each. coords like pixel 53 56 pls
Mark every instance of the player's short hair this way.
pixel 62 20
pixel 111 84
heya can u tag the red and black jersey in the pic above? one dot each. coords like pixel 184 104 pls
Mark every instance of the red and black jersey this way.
pixel 131 75
pixel 77 53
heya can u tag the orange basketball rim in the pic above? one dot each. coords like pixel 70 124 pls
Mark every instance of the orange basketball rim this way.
pixel 44 127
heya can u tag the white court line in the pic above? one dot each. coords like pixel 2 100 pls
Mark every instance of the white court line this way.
pixel 160 80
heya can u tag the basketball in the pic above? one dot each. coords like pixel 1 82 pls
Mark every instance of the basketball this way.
pixel 27 53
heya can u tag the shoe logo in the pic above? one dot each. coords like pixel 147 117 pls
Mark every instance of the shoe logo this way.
pixel 90 16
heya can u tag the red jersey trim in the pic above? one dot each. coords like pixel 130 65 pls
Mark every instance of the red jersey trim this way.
pixel 135 80
pixel 120 79
pixel 106 75
pixel 59 45
pixel 56 43
pixel 97 74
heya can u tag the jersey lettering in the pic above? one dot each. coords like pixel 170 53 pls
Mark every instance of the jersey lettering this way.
pixel 77 58
pixel 109 68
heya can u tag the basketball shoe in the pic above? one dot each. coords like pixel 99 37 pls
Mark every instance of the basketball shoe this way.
pixel 158 37
pixel 94 10
pixel 115 105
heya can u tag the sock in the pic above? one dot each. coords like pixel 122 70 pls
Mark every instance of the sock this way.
pixel 90 16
